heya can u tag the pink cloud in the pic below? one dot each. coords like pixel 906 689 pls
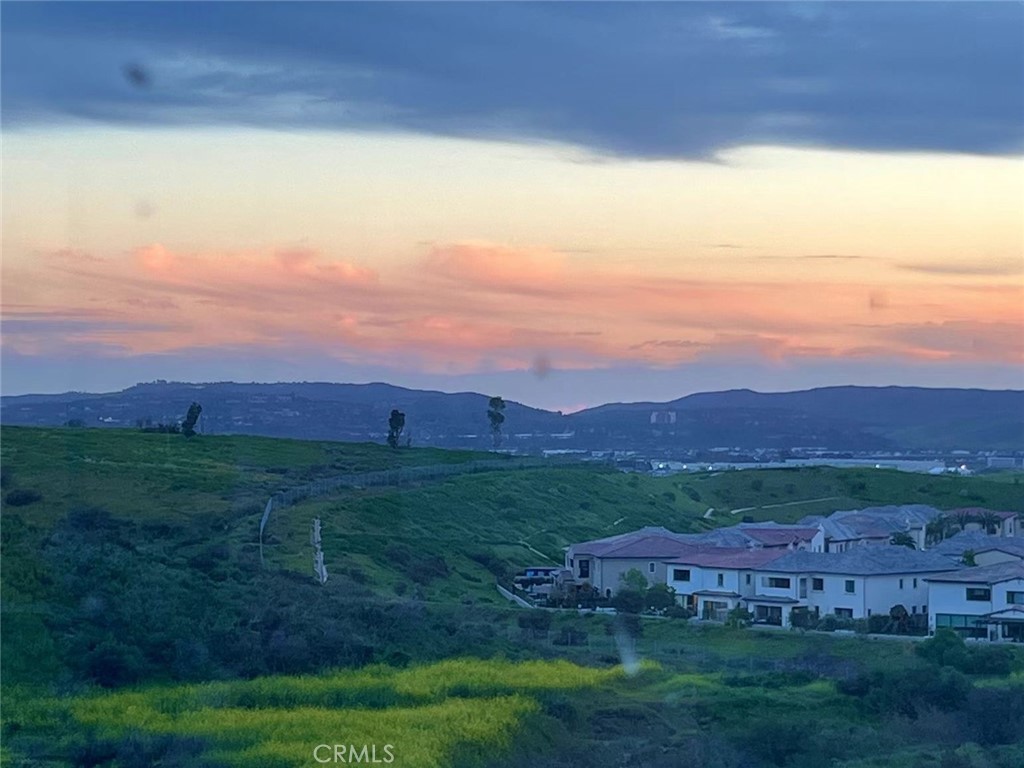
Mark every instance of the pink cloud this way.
pixel 471 305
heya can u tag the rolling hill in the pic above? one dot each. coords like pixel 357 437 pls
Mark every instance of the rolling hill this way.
pixel 833 418
pixel 130 562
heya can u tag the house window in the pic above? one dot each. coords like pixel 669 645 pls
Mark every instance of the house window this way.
pixel 979 594
pixel 915 583
pixel 650 567
pixel 680 574
pixel 913 609
pixel 844 613
pixel 965 625
pixel 818 585
pixel 850 588
pixel 721 579
pixel 901 583
pixel 748 578
pixel 776 582
pixel 1015 598
pixel 584 569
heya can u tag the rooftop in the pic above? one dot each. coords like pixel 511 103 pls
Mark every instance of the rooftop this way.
pixel 978 541
pixel 985 574
pixel 979 512
pixel 729 557
pixel 862 561
pixel 653 542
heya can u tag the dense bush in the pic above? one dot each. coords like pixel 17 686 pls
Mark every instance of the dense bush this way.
pixel 629 601
pixel 22 497
pixel 536 622
pixel 908 691
pixel 878 623
pixel 948 649
pixel 660 597
pixel 770 680
pixel 493 563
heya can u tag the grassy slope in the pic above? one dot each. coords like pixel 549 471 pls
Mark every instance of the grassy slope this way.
pixel 216 487
pixel 173 499
pixel 527 518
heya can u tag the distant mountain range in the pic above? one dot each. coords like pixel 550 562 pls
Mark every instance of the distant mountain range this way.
pixel 834 418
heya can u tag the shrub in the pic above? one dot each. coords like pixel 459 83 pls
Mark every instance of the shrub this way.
pixel 628 601
pixel 945 649
pixel 801 618
pixel 996 715
pixel 22 498
pixel 661 597
pixel 878 623
pixel 828 623
pixel 113 664
pixel 739 617
pixel 494 564
pixel 536 622
pixel 996 660
pixel 678 612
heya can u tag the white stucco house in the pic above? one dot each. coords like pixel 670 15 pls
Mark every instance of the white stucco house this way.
pixel 714 581
pixel 855 584
pixel 982 602
pixel 602 562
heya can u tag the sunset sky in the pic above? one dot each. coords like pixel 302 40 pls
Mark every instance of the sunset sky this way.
pixel 564 204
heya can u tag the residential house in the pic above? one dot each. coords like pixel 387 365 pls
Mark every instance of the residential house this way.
pixel 603 562
pixel 982 602
pixel 712 582
pixel 874 525
pixel 856 583
pixel 985 549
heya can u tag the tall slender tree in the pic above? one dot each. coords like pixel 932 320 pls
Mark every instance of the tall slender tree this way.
pixel 395 426
pixel 188 427
pixel 496 415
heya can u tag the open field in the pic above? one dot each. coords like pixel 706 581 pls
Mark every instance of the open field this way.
pixel 461 711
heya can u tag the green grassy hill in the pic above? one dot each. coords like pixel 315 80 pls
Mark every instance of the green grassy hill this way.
pixel 131 559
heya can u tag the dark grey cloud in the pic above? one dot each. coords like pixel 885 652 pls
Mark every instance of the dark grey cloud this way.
pixel 655 80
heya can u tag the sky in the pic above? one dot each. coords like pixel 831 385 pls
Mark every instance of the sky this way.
pixel 561 203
